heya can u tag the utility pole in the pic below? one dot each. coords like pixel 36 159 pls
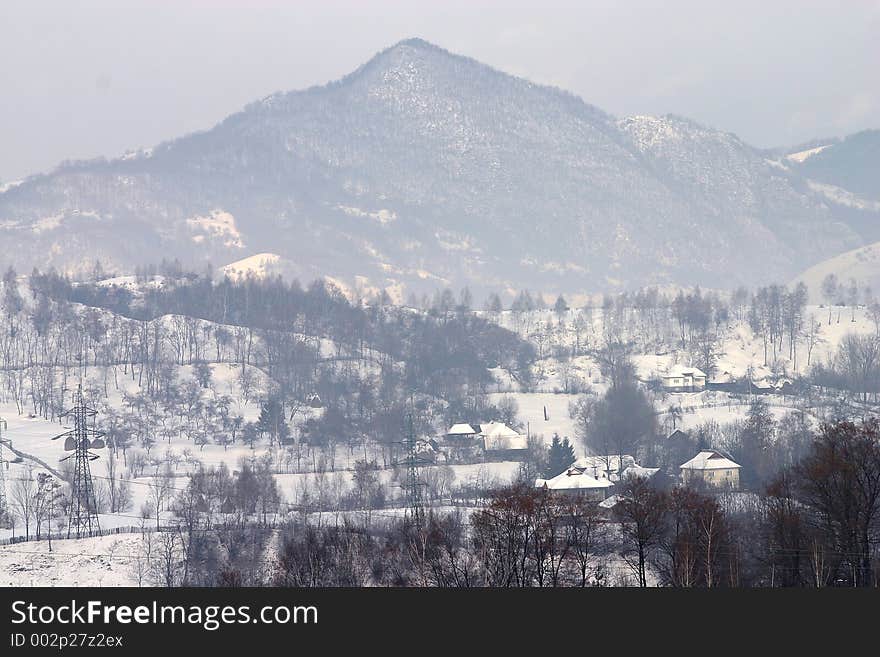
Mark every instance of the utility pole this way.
pixel 83 517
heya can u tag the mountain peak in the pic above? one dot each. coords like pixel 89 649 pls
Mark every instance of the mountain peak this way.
pixel 408 50
pixel 426 168
pixel 417 42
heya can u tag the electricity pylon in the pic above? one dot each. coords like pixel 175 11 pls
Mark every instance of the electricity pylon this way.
pixel 412 485
pixel 83 517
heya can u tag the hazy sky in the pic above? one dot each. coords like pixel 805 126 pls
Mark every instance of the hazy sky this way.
pixel 84 78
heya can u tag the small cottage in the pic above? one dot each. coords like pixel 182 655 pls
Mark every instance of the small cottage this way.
pixel 579 481
pixel 502 442
pixel 683 379
pixel 463 443
pixel 722 381
pixel 711 468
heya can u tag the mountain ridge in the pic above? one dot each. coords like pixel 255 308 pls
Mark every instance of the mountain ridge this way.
pixel 423 168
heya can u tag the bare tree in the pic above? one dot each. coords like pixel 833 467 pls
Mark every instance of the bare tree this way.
pixel 161 490
pixel 642 512
pixel 23 499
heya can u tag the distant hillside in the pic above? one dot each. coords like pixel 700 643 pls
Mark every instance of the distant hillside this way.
pixel 425 169
pixel 852 164
pixel 861 264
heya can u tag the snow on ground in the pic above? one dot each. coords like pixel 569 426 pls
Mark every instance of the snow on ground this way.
pixel 32 435
pixel 218 226
pixel 131 282
pixel 118 560
pixel 98 561
pixel 294 485
pixel 5 187
pixel 531 413
pixel 742 349
pixel 725 414
pixel 47 223
pixel 802 156
pixel 862 264
pixel 843 197
pixel 382 216
pixel 583 369
pixel 259 265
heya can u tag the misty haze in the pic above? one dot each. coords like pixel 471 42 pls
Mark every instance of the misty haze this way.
pixel 432 314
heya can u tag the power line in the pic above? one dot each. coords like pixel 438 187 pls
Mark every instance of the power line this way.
pixel 83 514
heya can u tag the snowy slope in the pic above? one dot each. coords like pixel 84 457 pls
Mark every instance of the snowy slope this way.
pixel 861 264
pixel 98 561
pixel 422 169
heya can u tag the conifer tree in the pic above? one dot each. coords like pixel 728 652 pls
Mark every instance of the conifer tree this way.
pixel 560 457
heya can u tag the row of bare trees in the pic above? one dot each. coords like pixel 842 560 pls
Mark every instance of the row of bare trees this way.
pixel 817 524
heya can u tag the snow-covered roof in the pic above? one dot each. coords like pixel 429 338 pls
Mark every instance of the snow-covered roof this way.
pixel 678 371
pixel 575 479
pixel 639 471
pixel 611 501
pixel 460 429
pixel 709 460
pixel 497 430
pixel 498 436
pixel 497 443
pixel 612 465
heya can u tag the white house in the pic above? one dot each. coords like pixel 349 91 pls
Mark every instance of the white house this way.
pixel 462 430
pixel 578 481
pixel 498 437
pixel 711 468
pixel 462 442
pixel 593 476
pixel 683 379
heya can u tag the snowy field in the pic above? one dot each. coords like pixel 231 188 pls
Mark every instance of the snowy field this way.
pixel 724 414
pixel 99 561
pixel 112 560
pixel 531 413
pixel 33 435
pixel 740 350
pixel 294 486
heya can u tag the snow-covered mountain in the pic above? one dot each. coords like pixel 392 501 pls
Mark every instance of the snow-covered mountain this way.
pixel 424 169
pixel 852 164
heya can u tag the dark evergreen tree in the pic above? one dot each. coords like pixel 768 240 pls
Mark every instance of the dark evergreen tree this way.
pixel 561 305
pixel 272 422
pixel 560 457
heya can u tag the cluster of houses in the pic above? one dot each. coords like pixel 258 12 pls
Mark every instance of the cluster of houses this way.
pixel 596 477
pixel 682 378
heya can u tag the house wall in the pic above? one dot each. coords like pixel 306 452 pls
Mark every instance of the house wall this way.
pixel 505 454
pixel 718 478
pixel 684 383
pixel 588 494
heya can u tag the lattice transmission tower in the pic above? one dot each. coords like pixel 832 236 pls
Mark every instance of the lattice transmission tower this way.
pixel 412 461
pixel 83 518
